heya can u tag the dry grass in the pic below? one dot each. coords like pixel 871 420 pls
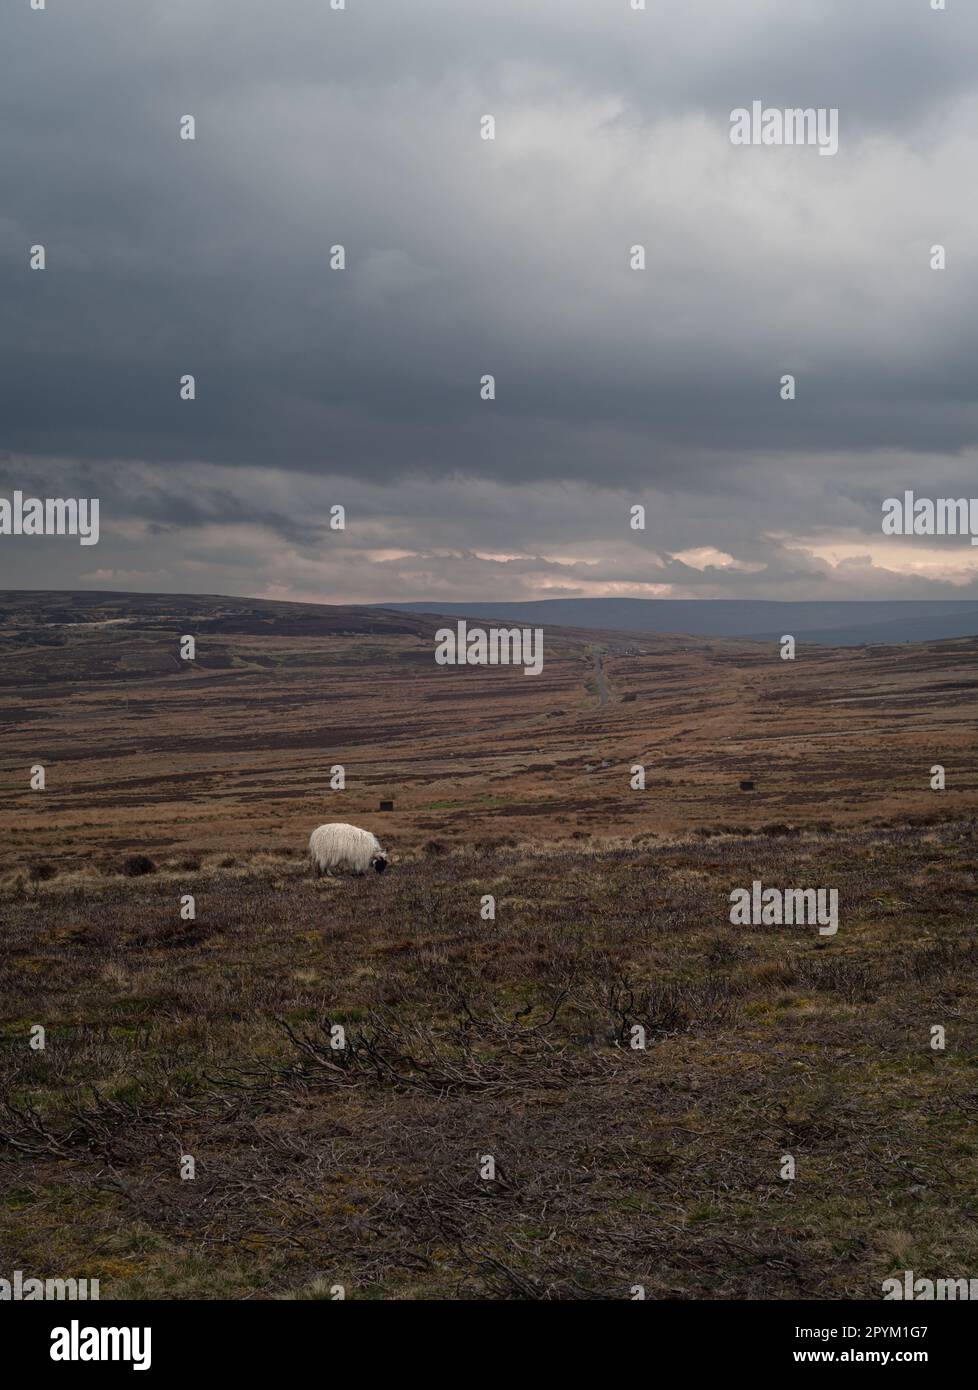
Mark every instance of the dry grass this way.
pixel 360 1166
pixel 464 1038
pixel 147 754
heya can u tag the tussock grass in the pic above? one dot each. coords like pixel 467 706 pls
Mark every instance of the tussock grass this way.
pixel 359 1166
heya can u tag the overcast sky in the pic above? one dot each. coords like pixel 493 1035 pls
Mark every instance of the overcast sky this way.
pixel 465 257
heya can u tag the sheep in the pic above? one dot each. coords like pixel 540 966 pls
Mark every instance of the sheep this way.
pixel 341 846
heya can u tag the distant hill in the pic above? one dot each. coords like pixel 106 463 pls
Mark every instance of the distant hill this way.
pixel 837 624
pixel 843 624
pixel 64 609
pixel 230 751
pixel 50 616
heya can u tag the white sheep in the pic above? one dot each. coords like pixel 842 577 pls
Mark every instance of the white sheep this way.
pixel 341 846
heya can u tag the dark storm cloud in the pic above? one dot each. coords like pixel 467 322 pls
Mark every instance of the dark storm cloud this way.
pixel 466 257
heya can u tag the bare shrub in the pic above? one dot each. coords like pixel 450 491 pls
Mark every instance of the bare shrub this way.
pixel 136 865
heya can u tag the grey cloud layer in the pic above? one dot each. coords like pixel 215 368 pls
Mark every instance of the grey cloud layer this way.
pixel 467 257
pixel 441 538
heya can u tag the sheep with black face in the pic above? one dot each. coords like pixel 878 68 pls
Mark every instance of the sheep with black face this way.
pixel 342 846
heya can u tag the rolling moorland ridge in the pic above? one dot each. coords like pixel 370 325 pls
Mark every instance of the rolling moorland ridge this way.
pixel 838 623
pixel 211 1035
pixel 233 749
